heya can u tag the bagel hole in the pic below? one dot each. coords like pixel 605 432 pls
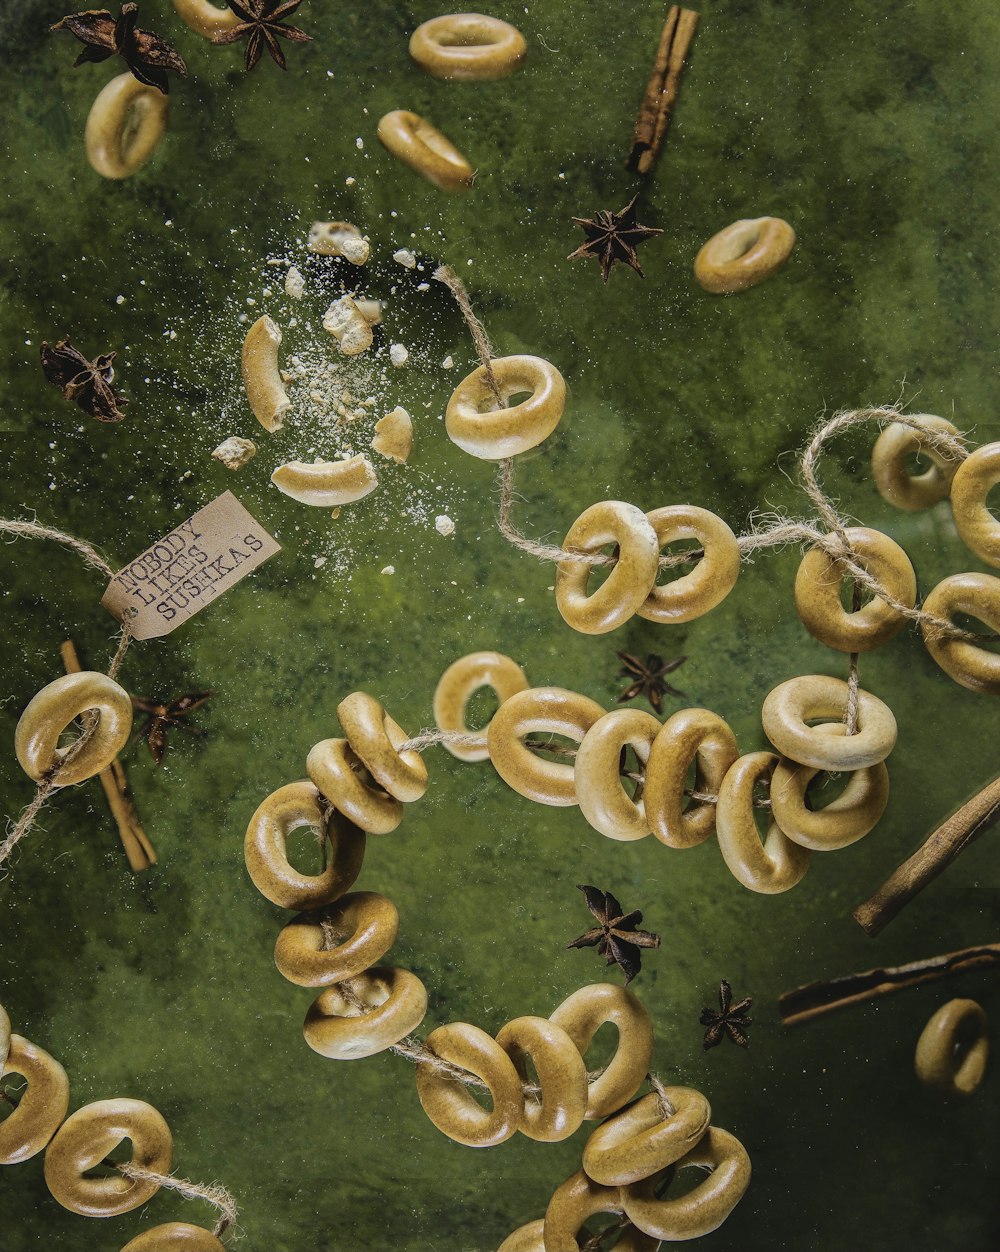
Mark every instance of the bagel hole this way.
pixel 679 1181
pixel 632 773
pixel 603 1047
pixel 824 788
pixel 552 747
pixel 307 850
pixel 597 1232
pixel 965 621
pixel 12 1089
pixel 967 1035
pixel 471 39
pixel 481 707
pixel 917 463
pixel 121 1154
pixel 853 596
pixel 598 575
pixel 992 500
pixel 692 552
pixel 761 808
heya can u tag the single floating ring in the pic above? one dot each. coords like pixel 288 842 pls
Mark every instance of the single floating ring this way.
pixel 562 1077
pixel 632 575
pixel 474 422
pixel 768 868
pixel 744 254
pixel 978 595
pixel 973 481
pixel 690 735
pixel 707 1206
pixel 467 46
pixel 572 1203
pixel 175 1237
pixel 369 921
pixel 446 1100
pixel 36 739
pixel 845 820
pixel 603 799
pixel 789 708
pixel 893 449
pixel 326 484
pixel 90 1135
pixel 712 579
pixel 265 848
pixel 262 382
pixel 394 1003
pixel 209 20
pixel 423 148
pixel 953 1049
pixel 456 687
pixel 29 1127
pixel 817 593
pixel 544 710
pixel 641 1139
pixel 582 1015
pixel 124 126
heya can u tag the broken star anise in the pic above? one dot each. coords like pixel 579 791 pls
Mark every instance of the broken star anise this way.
pixel 147 56
pixel 731 1020
pixel 613 237
pixel 260 22
pixel 165 715
pixel 648 678
pixel 86 383
pixel 617 937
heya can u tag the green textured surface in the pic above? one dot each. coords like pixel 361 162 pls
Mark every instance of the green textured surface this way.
pixel 871 127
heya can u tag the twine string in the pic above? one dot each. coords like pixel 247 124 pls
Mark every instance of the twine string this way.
pixel 214 1193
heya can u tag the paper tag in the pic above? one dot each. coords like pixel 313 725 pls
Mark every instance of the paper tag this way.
pixel 189 568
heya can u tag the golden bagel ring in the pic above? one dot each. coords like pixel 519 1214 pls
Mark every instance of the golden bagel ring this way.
pixel 974 478
pixel 633 574
pixel 603 800
pixel 817 593
pixel 697 735
pixel 423 148
pixel 205 19
pixel 706 1207
pixel 467 46
pixel 978 595
pixel 29 1127
pixel 713 577
pixel 546 710
pixel 175 1237
pixel 370 922
pixel 395 1000
pixel 953 1049
pixel 36 739
pixel 265 848
pixel 744 254
pixel 474 422
pixel 375 738
pixel 843 821
pixel 768 868
pixel 338 772
pixel 572 1203
pixel 531 1238
pixel 789 708
pixel 446 1100
pixel 894 447
pixel 124 126
pixel 456 687
pixel 91 1134
pixel 642 1139
pixel 582 1015
pixel 557 1111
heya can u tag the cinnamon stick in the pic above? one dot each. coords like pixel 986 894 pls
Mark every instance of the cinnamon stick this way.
pixel 932 858
pixel 817 998
pixel 140 852
pixel 658 102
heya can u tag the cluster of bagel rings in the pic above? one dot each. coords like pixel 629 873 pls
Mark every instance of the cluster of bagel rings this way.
pixel 75 1145
pixel 723 799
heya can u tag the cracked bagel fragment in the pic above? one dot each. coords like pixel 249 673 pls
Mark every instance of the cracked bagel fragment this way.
pixel 326 484
pixel 261 376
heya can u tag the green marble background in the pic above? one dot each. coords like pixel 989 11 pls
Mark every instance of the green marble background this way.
pixel 871 127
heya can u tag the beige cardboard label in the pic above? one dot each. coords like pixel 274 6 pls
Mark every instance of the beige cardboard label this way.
pixel 189 568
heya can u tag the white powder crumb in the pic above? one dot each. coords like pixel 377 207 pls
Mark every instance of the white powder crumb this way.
pixel 119 300
pixel 448 363
pixel 359 143
pixel 444 525
pixel 295 284
pixel 389 569
pixel 243 319
pixel 398 355
pixel 234 453
pixel 520 599
pixel 423 287
pixel 350 181
pixel 319 562
pixel 404 257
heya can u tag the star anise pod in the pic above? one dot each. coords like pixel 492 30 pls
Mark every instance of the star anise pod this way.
pixel 731 1020
pixel 613 237
pixel 86 383
pixel 260 22
pixel 146 55
pixel 648 678
pixel 165 715
pixel 617 937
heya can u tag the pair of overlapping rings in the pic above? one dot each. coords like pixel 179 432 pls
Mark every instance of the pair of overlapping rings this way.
pixel 356 785
pixel 557 1047
pixel 725 782
pixel 624 1165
